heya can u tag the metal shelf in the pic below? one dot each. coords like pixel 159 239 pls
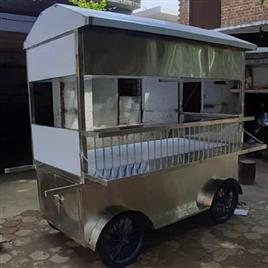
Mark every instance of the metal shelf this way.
pixel 252 91
pixel 250 148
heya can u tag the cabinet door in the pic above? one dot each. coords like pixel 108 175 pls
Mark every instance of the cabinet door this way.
pixel 60 207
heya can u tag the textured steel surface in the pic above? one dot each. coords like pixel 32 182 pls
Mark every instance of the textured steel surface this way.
pixel 60 208
pixel 164 197
pixel 138 54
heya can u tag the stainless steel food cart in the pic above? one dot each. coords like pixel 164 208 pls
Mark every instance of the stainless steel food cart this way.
pixel 114 149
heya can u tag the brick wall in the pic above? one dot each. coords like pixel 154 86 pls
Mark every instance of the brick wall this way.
pixel 184 11
pixel 233 12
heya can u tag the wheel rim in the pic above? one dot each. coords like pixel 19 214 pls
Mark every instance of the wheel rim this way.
pixel 123 240
pixel 225 201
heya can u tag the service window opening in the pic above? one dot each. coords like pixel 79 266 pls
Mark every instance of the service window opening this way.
pixel 129 92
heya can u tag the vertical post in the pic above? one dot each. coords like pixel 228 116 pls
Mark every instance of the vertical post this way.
pixel 202 97
pixel 194 149
pixel 166 134
pixel 95 154
pixel 173 147
pixel 127 143
pixel 79 57
pixel 184 151
pixel 181 117
pixel 178 154
pixel 154 139
pixel 161 151
pixel 81 102
pixel 199 143
pixel 242 108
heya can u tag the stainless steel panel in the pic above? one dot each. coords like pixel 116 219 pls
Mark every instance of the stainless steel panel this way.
pixel 227 63
pixel 61 208
pixel 70 212
pixel 105 101
pixel 107 132
pixel 46 180
pixel 164 196
pixel 129 110
pixel 136 54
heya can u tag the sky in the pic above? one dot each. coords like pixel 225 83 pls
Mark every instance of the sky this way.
pixel 152 3
pixel 172 5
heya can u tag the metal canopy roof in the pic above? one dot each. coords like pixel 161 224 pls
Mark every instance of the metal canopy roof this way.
pixel 251 27
pixel 59 19
pixel 259 50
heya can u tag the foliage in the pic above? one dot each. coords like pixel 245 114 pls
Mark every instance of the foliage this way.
pixel 97 5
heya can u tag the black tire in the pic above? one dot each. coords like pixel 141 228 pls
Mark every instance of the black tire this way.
pixel 120 241
pixel 225 201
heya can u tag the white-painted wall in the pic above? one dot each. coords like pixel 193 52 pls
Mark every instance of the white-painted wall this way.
pixel 57 147
pixel 53 59
pixel 160 101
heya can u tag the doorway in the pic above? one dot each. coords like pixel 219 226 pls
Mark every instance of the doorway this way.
pixel 15 137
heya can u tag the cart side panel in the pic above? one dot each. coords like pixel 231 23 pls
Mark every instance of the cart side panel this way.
pixel 57 147
pixel 164 196
pixel 53 59
pixel 61 208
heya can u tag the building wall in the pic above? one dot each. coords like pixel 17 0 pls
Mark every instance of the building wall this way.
pixel 232 12
pixel 184 8
pixel 159 13
pixel 242 11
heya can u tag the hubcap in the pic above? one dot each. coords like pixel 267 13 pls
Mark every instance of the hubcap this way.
pixel 123 239
pixel 224 201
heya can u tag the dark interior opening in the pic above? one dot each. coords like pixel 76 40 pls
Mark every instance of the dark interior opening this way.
pixel 259 38
pixel 192 97
pixel 129 104
pixel 129 87
pixel 256 105
pixel 42 104
pixel 15 134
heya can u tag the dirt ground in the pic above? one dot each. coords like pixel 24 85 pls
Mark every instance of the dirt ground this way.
pixel 27 241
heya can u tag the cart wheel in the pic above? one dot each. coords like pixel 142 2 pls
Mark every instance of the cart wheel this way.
pixel 121 241
pixel 224 202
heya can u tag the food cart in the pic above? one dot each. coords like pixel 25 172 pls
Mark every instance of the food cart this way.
pixel 115 152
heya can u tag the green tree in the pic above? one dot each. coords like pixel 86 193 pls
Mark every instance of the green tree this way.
pixel 93 4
